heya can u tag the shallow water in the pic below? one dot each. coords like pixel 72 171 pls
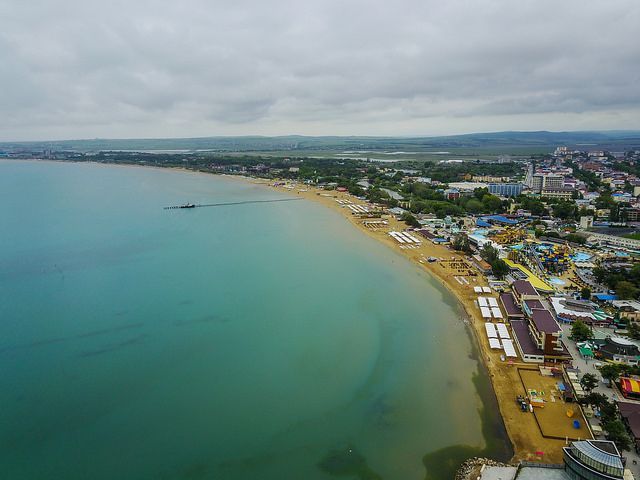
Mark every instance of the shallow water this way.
pixel 269 341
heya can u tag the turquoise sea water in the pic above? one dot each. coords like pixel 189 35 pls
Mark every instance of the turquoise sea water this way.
pixel 260 341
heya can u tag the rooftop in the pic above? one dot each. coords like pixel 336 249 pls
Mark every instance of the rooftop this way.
pixel 544 321
pixel 521 331
pixel 509 304
pixel 523 287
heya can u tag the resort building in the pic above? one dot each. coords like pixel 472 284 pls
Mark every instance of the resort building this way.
pixel 629 309
pixel 618 349
pixel 546 333
pixel 568 310
pixel 630 413
pixel 514 312
pixel 506 189
pixel 523 290
pixel 559 192
pixel 593 460
pixel 582 460
pixel 603 239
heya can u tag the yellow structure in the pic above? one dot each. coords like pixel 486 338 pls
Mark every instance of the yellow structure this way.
pixel 536 281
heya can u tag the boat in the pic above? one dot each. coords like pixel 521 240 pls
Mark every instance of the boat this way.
pixel 188 205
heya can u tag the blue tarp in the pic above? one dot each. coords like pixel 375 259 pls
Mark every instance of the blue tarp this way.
pixel 482 223
pixel 603 297
pixel 499 219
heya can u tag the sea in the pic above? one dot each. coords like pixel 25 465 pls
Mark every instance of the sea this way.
pixel 267 340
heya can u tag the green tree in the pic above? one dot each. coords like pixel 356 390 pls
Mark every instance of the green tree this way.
pixel 585 293
pixel 588 382
pixel 461 243
pixel 634 330
pixel 611 371
pixel 410 220
pixel 499 268
pixel 596 399
pixel 488 253
pixel 626 290
pixel 617 433
pixel 580 331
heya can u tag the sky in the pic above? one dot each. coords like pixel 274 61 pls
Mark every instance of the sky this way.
pixel 73 69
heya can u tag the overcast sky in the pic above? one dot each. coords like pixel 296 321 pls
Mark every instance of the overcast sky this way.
pixel 182 68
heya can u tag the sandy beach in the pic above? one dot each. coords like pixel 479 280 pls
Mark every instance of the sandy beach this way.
pixel 522 429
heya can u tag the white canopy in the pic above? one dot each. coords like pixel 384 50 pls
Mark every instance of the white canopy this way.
pixel 502 330
pixel 508 348
pixel 491 330
pixel 495 343
pixel 495 311
pixel 486 312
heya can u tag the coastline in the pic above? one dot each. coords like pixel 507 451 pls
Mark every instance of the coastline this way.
pixel 522 430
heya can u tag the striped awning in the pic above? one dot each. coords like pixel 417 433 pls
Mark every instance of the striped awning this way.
pixel 629 385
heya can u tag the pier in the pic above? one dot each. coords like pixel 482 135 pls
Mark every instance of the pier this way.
pixel 245 202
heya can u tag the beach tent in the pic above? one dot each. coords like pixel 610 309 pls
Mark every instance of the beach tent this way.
pixel 586 352
pixel 508 348
pixel 491 330
pixel 502 331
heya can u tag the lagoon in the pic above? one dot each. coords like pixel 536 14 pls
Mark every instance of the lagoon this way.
pixel 269 341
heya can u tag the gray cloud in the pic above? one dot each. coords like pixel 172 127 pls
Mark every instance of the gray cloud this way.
pixel 73 68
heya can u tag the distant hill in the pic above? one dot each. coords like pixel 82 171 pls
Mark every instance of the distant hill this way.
pixel 610 140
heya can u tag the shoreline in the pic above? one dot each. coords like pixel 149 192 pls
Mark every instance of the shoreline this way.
pixel 522 431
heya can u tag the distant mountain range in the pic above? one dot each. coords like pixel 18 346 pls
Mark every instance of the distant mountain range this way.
pixel 610 140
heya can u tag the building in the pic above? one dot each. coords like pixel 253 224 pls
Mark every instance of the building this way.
pixel 489 179
pixel 629 309
pixel 630 413
pixel 510 307
pixel 546 333
pixel 618 349
pixel 603 239
pixel 506 189
pixel 582 460
pixel 593 460
pixel 586 222
pixel 569 310
pixel 523 290
pixel 538 181
pixel 563 193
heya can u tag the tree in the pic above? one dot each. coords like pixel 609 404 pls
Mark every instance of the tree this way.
pixel 488 253
pixel 499 268
pixel 626 290
pixel 634 330
pixel 596 399
pixel 588 382
pixel 410 220
pixel 617 433
pixel 585 293
pixel 580 331
pixel 461 243
pixel 611 371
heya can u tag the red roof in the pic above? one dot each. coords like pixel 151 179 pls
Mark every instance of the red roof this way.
pixel 510 306
pixel 523 287
pixel 544 321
